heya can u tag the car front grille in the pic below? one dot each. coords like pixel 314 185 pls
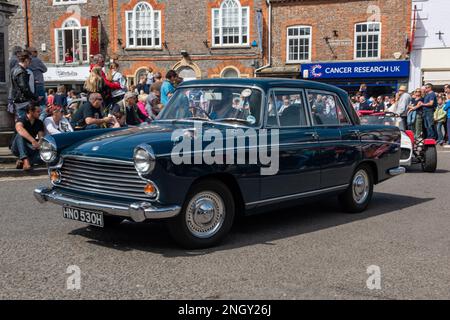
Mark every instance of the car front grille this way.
pixel 102 176
pixel 405 154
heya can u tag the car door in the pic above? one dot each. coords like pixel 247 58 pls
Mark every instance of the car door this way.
pixel 299 170
pixel 340 146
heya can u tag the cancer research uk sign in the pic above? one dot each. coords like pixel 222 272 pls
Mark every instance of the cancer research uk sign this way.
pixel 346 70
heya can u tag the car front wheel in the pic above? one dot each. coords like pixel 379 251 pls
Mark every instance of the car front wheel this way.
pixel 357 197
pixel 206 217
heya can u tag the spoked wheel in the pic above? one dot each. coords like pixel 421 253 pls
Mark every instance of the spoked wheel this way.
pixel 358 195
pixel 206 217
pixel 429 163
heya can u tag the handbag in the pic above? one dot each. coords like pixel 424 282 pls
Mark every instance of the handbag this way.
pixel 11 108
pixel 440 115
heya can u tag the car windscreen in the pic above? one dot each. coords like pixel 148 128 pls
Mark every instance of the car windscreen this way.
pixel 216 103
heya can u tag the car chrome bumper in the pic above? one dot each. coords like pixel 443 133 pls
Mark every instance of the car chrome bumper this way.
pixel 138 212
pixel 397 171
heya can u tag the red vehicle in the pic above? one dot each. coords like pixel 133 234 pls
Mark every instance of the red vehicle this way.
pixel 414 151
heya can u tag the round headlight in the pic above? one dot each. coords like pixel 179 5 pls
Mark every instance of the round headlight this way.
pixel 144 159
pixel 47 152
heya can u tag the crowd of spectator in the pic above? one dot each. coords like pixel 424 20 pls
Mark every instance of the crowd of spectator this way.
pixel 424 111
pixel 107 101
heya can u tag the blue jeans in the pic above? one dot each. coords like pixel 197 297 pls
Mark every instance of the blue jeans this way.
pixel 428 121
pixel 441 131
pixel 411 120
pixel 40 92
pixel 448 129
pixel 22 149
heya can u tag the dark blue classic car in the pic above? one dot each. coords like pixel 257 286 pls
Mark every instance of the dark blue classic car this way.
pixel 219 149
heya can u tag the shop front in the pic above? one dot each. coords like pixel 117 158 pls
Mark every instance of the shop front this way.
pixel 381 77
pixel 70 77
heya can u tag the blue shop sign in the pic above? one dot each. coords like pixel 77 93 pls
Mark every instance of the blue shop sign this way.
pixel 346 70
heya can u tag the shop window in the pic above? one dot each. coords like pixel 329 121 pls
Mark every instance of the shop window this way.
pixel 143 27
pixel 298 44
pixel 367 40
pixel 231 24
pixel 72 43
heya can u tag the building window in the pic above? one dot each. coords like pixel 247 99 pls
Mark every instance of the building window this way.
pixel 230 73
pixel 367 40
pixel 72 42
pixel 231 24
pixel 67 2
pixel 143 27
pixel 298 44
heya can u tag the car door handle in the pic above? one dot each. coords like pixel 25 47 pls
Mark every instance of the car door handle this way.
pixel 314 135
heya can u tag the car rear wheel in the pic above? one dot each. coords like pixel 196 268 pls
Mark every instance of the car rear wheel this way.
pixel 206 217
pixel 358 195
pixel 430 160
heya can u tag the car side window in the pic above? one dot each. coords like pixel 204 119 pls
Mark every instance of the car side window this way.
pixel 286 109
pixel 327 109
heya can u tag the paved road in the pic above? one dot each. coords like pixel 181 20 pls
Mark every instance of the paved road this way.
pixel 313 251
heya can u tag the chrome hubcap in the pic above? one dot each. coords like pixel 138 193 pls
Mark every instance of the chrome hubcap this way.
pixel 361 187
pixel 205 214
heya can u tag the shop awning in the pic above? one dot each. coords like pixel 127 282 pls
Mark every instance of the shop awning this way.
pixel 290 71
pixel 437 78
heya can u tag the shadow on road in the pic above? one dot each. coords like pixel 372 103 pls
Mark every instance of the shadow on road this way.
pixel 260 229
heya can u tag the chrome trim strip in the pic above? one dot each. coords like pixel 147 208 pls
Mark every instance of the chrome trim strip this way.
pixel 138 211
pixel 109 173
pixel 76 174
pixel 101 160
pixel 98 166
pixel 380 142
pixel 299 195
pixel 131 194
pixel 101 184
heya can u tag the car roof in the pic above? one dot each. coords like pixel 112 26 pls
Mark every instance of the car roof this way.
pixel 266 83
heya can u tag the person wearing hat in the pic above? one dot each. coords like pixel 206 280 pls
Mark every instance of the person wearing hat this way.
pixel 56 123
pixel 132 116
pixel 403 101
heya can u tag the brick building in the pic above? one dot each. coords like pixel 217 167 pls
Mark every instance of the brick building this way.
pixel 65 33
pixel 200 39
pixel 337 40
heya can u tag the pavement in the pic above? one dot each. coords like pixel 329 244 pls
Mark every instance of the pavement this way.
pixel 8 166
pixel 312 251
